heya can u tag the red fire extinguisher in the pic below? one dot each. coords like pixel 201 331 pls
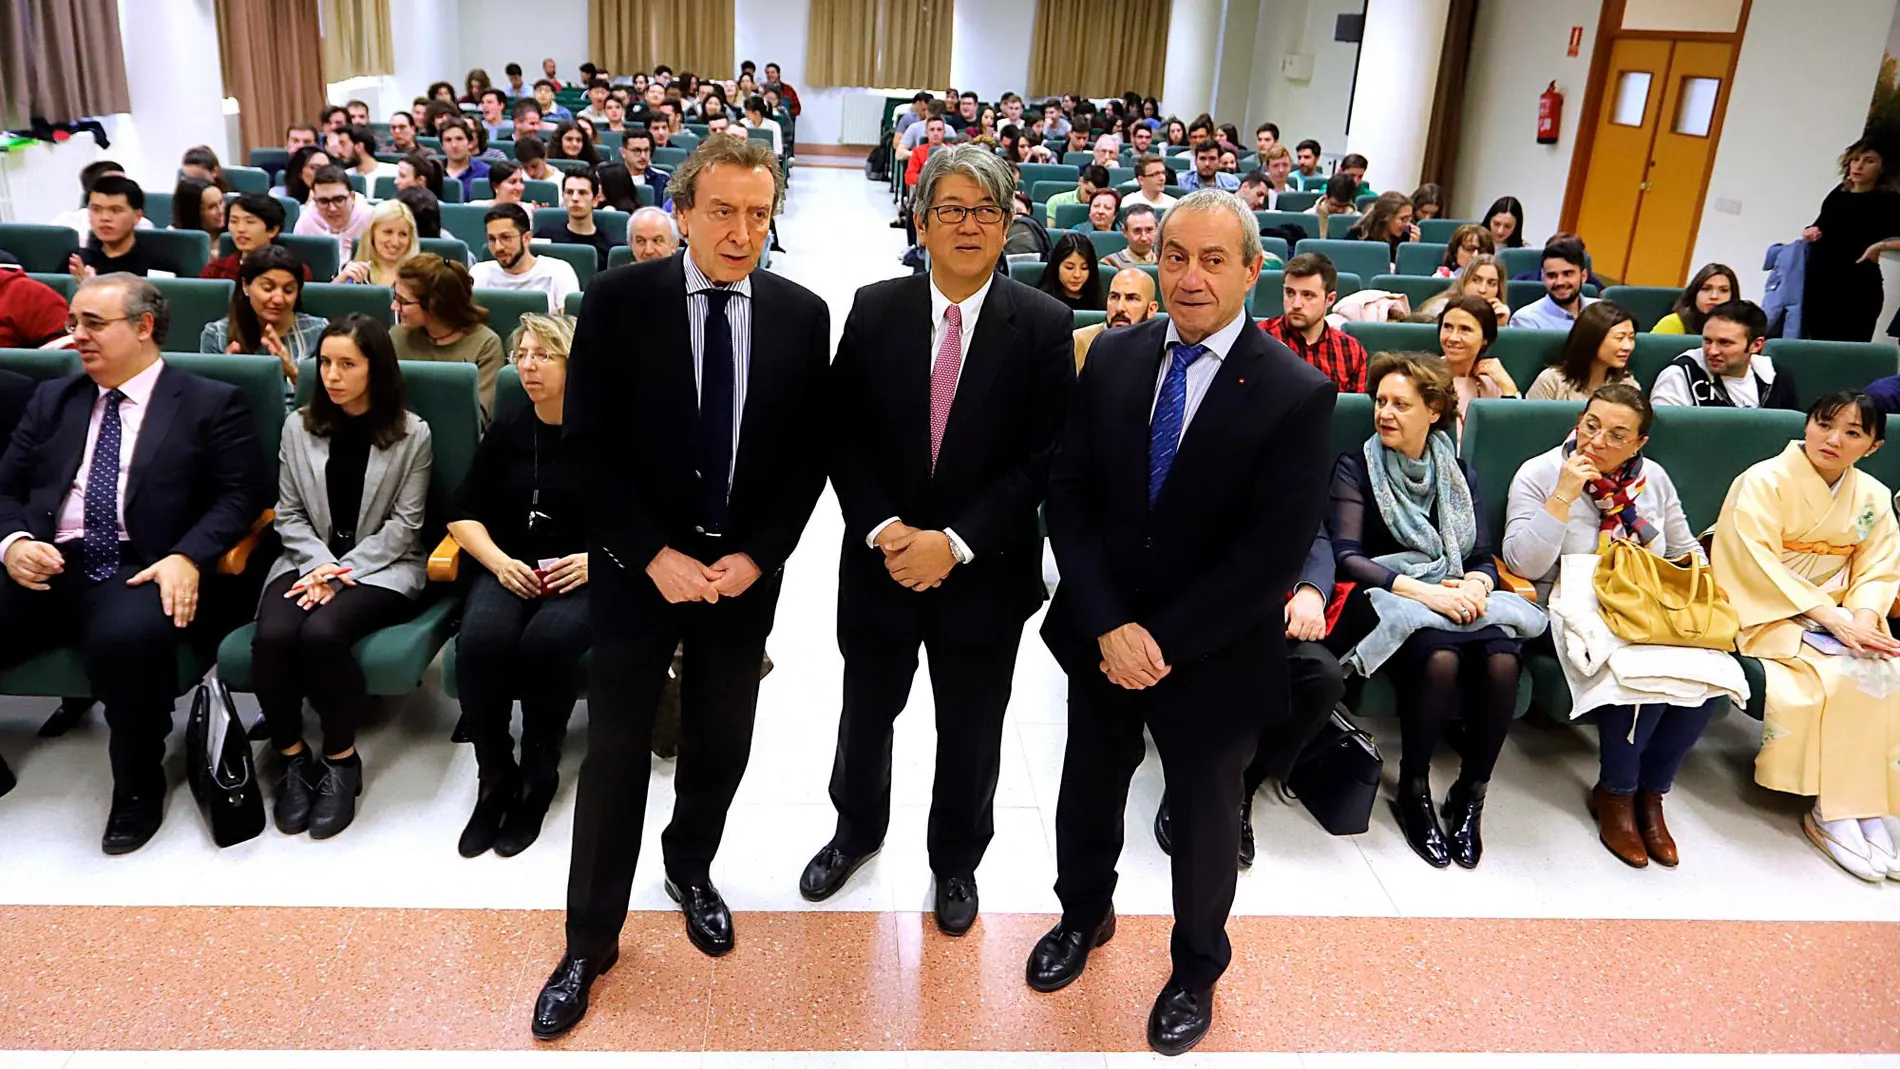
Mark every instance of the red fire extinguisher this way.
pixel 1550 113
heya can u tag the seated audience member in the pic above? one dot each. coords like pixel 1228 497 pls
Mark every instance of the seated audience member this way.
pixel 253 220
pixel 32 313
pixel 1389 219
pixel 936 136
pixel 1408 530
pixel 1467 242
pixel 548 69
pixel 1594 487
pixel 1206 172
pixel 1467 329
pixel 426 210
pixel 1336 200
pixel 1104 210
pixel 475 85
pixel 509 183
pixel 571 141
pixel 1729 370
pixel 756 119
pixel 115 205
pixel 577 227
pixel 1563 290
pixel 459 163
pixel 1307 166
pixel 522 516
pixel 551 109
pixel 441 113
pixel 919 109
pixel 402 134
pixel 964 119
pixel 341 213
pixel 197 204
pixel 1807 549
pixel 382 250
pixel 1714 284
pixel 419 111
pixel 358 112
pixel 1054 123
pixel 1201 131
pixel 1069 273
pixel 1229 160
pixel 1077 141
pixel 1151 180
pixel 1308 291
pixel 1131 300
pixel 300 172
pixel 1427 202
pixel 531 156
pixel 515 87
pixel 528 123
pixel 636 155
pixel 79 220
pixel 367 165
pixel 617 191
pixel 300 135
pixel 1355 165
pixel 1256 191
pixel 596 109
pixel 1141 139
pixel 353 486
pixel 1108 152
pixel 1092 179
pixel 1139 225
pixel 202 163
pixel 614 117
pixel 718 124
pixel 1480 277
pixel 653 234
pixel 515 266
pixel 494 120
pixel 266 315
pixel 417 171
pixel 1505 220
pixel 437 319
pixel 1597 353
pixel 126 601
pixel 1277 164
pixel 336 117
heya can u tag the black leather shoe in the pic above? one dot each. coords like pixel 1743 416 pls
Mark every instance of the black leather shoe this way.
pixel 1419 821
pixel 828 871
pixel 956 904
pixel 1246 833
pixel 491 805
pixel 708 921
pixel 338 784
pixel 1164 827
pixel 1179 1019
pixel 563 999
pixel 7 781
pixel 461 732
pixel 294 789
pixel 522 826
pixel 70 714
pixel 1059 956
pixel 1464 818
pixel 136 814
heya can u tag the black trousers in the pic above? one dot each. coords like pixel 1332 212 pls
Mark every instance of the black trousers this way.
pixel 528 648
pixel 1205 729
pixel 970 684
pixel 1315 685
pixel 298 653
pixel 636 633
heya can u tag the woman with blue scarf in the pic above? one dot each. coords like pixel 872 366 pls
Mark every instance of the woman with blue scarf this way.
pixel 1408 530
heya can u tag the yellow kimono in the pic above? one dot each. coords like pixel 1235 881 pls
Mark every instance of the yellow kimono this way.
pixel 1786 545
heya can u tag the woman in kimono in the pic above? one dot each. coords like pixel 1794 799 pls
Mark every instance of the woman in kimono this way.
pixel 1809 554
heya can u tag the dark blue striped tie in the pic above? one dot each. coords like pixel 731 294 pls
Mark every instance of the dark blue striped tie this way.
pixel 715 413
pixel 1164 429
pixel 101 543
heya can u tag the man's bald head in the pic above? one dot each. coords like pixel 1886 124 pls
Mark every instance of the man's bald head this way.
pixel 1131 298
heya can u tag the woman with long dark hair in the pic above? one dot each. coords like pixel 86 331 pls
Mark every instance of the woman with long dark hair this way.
pixel 298 173
pixel 572 141
pixel 1505 218
pixel 1714 284
pixel 198 204
pixel 1069 273
pixel 267 314
pixel 1596 354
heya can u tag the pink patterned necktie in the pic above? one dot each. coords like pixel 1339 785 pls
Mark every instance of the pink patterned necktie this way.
pixel 943 380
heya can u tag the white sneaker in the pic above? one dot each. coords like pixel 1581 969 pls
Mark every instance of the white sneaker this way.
pixel 1856 858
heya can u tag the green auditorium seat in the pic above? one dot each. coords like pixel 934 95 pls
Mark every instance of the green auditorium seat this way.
pixel 1106 242
pixel 1078 159
pixel 1395 337
pixel 194 303
pixel 318 253
pixel 1293 200
pixel 505 146
pixel 158 209
pixel 1086 318
pixel 506 307
pixel 1176 162
pixel 1821 367
pixel 1655 351
pixel 1647 303
pixel 453 193
pixel 1269 297
pixel 610 222
pixel 268 159
pixel 1518 292
pixel 1045 172
pixel 384 187
pixel 1417 288
pixel 47 249
pixel 1420 258
pixel 190 249
pixel 540 191
pixel 572 305
pixel 1040 192
pixel 395 658
pixel 1118 175
pixel 666 159
pixel 1339 227
pixel 60 281
pixel 582 258
pixel 1438 231
pixel 248 179
pixel 465 222
pixel 1070 216
pixel 1308 223
pixel 1525 352
pixel 358 184
pixel 449 248
pixel 291 212
pixel 334 300
pixel 1276 247
pixel 1362 258
pixel 571 166
pixel 619 256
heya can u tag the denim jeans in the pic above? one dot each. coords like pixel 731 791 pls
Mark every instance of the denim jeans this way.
pixel 1648 759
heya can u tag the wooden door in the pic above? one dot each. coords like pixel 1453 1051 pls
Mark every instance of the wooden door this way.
pixel 1679 162
pixel 1633 88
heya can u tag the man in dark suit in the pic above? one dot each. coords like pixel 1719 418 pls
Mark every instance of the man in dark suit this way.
pixel 1182 502
pixel 696 410
pixel 947 396
pixel 121 485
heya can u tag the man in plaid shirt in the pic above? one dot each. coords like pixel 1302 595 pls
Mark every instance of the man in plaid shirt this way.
pixel 1310 282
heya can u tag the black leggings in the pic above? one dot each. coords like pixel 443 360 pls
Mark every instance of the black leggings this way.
pixel 1479 683
pixel 297 654
pixel 512 647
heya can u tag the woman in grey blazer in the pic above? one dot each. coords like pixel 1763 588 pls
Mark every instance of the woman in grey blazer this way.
pixel 352 488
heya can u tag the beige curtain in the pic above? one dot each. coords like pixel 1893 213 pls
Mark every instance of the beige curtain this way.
pixel 1099 48
pixel 687 35
pixel 356 39
pixel 841 44
pixel 881 43
pixel 61 60
pixel 269 66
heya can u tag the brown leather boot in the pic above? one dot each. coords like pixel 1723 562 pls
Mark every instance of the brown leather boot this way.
pixel 1656 838
pixel 1616 825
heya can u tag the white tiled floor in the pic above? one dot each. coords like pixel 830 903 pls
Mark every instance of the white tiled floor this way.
pixel 1745 855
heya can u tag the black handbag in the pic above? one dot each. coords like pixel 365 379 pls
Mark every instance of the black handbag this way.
pixel 219 767
pixel 1336 777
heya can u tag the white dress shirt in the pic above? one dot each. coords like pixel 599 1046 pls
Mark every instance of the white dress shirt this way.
pixel 1200 374
pixel 739 319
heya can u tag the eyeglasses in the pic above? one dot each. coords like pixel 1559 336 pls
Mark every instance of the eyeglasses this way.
pixel 534 356
pixel 954 214
pixel 332 202
pixel 93 324
pixel 403 302
pixel 1589 430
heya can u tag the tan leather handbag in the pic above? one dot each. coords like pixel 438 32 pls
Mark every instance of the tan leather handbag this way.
pixel 1648 600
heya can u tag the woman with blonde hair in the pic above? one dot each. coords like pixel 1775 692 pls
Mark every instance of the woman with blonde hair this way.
pixel 437 319
pixel 390 242
pixel 1482 277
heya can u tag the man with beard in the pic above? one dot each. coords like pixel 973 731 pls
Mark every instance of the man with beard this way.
pixel 1131 300
pixel 515 266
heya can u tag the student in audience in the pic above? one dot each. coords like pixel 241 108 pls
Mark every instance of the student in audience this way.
pixel 531 156
pixel 459 164
pixel 1306 160
pixel 1389 219
pixel 358 111
pixel 1200 131
pixel 1729 370
pixel 437 319
pixel 475 84
pixel 616 116
pixel 441 92
pixel 114 207
pixel 402 134
pixel 1141 140
pixel 1151 179
pixel 1355 165
pixel 353 484
pixel 200 162
pixel 548 70
pixel 267 315
pixel 1107 152
pixel 1596 354
pixel 522 516
pixel 32 313
pixel 1594 487
pixel 571 141
pixel 515 266
pixel 654 234
pixel 79 220
pixel 1309 289
pixel 1077 140
pixel 1505 219
pixel 1139 225
pixel 1229 161
pixel 1858 220
pixel 516 87
pixel 426 209
pixel 718 124
pixel 367 165
pixel 617 190
pixel 1266 138
pixel 1564 266
pixel 300 172
pixel 528 122
pixel 198 204
pixel 341 213
pixel 1069 273
pixel 1427 202
pixel 1093 178
pixel 550 108
pixel 1336 200
pixel 1277 165
pixel 253 220
pixel 1467 328
pixel 936 136
pixel 494 120
pixel 1105 210
pixel 1256 191
pixel 1714 284
pixel 418 171
pixel 439 114
pixel 388 243
pixel 1408 529
pixel 1131 300
pixel 300 135
pixel 1177 136
pixel 1055 125
pixel 1205 173
pixel 1467 242
pixel 579 192
pixel 596 109
pixel 919 110
pixel 336 117
pixel 126 602
pixel 1480 277
pixel 1807 542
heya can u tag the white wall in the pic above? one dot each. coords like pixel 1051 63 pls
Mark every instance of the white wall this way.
pixel 495 32
pixel 1315 107
pixel 175 105
pixel 989 46
pixel 1398 76
pixel 1193 50
pixel 418 30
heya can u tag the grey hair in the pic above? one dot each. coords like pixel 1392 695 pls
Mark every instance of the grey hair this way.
pixel 1218 200
pixel 650 211
pixel 738 151
pixel 141 298
pixel 988 170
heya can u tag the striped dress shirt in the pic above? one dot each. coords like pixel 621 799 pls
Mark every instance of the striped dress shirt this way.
pixel 739 317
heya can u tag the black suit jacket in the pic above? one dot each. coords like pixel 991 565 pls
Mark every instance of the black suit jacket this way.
pixel 993 466
pixel 632 407
pixel 196 483
pixel 15 391
pixel 1209 567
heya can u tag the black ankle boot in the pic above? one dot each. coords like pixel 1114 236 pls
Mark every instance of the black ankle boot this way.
pixel 1414 810
pixel 492 799
pixel 1464 816
pixel 295 790
pixel 522 826
pixel 339 781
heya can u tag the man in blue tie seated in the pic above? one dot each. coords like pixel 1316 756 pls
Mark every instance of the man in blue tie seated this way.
pixel 1182 501
pixel 122 486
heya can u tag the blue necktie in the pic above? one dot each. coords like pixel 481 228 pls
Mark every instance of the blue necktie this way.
pixel 101 543
pixel 1164 429
pixel 715 413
